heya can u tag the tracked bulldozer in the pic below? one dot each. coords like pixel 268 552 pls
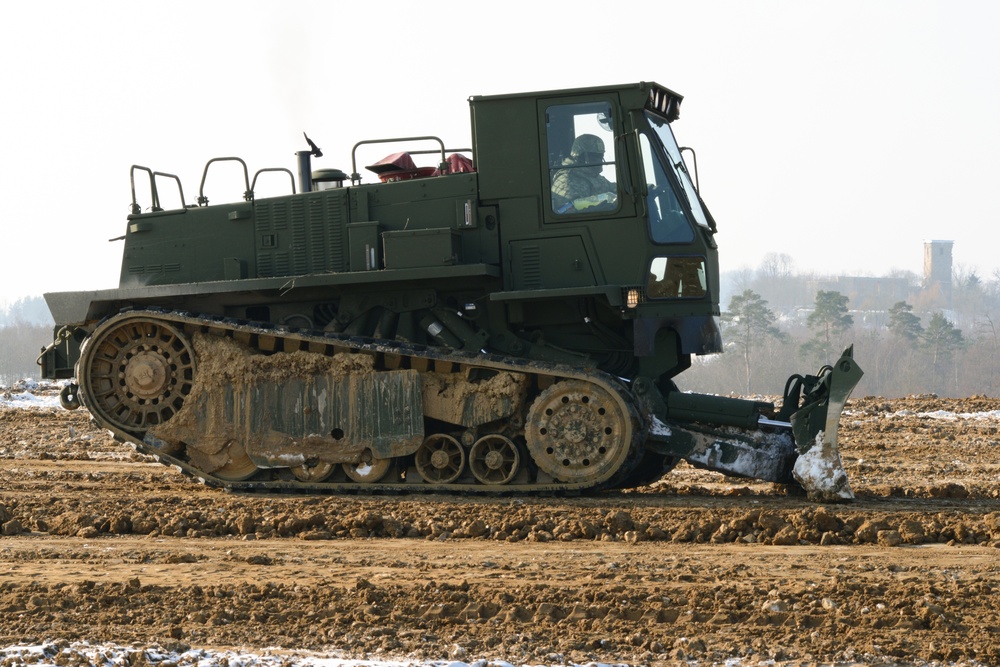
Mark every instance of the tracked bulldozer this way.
pixel 509 319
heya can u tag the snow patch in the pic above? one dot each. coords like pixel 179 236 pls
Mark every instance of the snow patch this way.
pixel 992 415
pixel 61 653
pixel 31 394
pixel 821 472
pixel 659 428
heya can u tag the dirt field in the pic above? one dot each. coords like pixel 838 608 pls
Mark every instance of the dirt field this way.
pixel 101 544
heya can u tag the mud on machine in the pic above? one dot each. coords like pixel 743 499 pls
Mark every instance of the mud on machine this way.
pixel 511 319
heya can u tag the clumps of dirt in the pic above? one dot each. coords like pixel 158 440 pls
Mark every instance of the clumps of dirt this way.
pixel 225 365
pixel 926 403
pixel 163 504
pixel 453 387
pixel 456 399
pixel 223 361
pixel 352 519
pixel 922 447
pixel 54 434
pixel 639 609
pixel 696 567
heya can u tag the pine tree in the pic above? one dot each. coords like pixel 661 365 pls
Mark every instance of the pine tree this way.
pixel 750 321
pixel 941 341
pixel 829 320
pixel 903 323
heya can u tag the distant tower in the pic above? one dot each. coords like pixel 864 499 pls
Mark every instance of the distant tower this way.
pixel 937 268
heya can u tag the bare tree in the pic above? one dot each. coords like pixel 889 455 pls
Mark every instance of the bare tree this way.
pixel 20 344
pixel 776 265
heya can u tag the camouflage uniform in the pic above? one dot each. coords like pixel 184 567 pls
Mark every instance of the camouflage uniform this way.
pixel 585 180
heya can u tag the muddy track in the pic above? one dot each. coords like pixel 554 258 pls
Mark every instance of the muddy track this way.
pixel 101 543
pixel 163 414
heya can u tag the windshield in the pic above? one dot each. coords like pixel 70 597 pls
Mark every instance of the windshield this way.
pixel 673 155
pixel 667 221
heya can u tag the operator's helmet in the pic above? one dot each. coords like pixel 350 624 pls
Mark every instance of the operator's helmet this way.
pixel 587 143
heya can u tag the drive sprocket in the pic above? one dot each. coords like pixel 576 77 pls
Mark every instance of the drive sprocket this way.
pixel 137 373
pixel 580 433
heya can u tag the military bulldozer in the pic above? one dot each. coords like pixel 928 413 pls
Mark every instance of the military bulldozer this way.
pixel 511 318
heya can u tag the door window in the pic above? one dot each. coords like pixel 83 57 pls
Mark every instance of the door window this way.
pixel 583 177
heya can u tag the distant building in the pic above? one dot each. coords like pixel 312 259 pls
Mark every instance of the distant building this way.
pixel 937 270
pixel 868 293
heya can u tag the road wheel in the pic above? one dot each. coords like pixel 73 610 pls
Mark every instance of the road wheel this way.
pixel 579 433
pixel 440 459
pixel 494 459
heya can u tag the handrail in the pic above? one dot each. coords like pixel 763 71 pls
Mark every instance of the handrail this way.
pixel 136 209
pixel 356 177
pixel 153 190
pixel 180 189
pixel 253 185
pixel 247 194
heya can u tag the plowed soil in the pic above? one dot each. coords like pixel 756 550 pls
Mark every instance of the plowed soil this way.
pixel 100 543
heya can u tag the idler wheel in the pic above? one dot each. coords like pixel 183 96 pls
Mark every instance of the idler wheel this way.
pixel 440 459
pixel 238 466
pixel 494 459
pixel 313 471
pixel 137 373
pixel 69 397
pixel 578 432
pixel 369 469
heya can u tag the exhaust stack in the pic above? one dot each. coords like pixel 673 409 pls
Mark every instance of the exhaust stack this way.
pixel 305 164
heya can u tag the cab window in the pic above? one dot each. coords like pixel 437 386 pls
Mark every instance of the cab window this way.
pixel 667 222
pixel 677 277
pixel 582 163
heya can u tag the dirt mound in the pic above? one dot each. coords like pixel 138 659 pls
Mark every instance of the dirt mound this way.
pixel 102 544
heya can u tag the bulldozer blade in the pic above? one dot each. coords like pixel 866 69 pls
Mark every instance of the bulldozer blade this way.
pixel 815 426
pixel 748 439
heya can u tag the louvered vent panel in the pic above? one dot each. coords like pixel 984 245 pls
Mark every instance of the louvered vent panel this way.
pixel 307 234
pixel 336 213
pixel 531 267
pixel 265 265
pixel 279 216
pixel 282 267
pixel 264 227
pixel 300 238
pixel 318 242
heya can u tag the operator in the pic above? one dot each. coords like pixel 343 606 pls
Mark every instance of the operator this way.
pixel 579 186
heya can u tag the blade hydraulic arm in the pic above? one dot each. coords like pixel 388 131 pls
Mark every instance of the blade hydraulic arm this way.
pixel 797 443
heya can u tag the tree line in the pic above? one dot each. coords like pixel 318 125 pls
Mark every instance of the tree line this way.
pixel 775 324
pixel 25 327
pixel 20 344
pixel 921 345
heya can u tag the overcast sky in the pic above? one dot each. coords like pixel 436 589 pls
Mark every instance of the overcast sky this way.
pixel 842 134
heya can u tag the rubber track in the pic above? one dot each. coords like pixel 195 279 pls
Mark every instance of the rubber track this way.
pixel 294 339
